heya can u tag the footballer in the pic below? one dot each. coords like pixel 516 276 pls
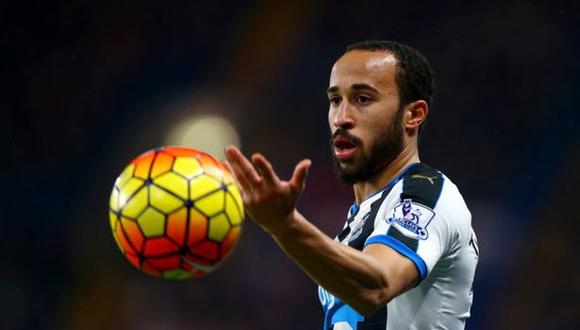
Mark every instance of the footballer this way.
pixel 407 254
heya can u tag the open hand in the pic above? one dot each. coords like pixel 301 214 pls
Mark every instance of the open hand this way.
pixel 271 202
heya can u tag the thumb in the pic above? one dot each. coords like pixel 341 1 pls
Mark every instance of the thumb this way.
pixel 298 180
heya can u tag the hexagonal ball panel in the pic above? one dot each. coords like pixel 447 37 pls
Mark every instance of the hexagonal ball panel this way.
pixel 219 226
pixel 152 223
pixel 188 167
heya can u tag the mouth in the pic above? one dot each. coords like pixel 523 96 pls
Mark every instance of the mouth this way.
pixel 344 147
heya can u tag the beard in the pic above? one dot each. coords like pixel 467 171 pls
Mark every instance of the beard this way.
pixel 383 150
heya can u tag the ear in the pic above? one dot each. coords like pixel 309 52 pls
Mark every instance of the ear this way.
pixel 415 114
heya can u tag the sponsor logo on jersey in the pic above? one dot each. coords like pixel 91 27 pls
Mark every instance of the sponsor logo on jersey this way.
pixel 428 178
pixel 412 219
pixel 326 299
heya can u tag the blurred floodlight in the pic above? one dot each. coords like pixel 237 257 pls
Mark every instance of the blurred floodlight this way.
pixel 210 134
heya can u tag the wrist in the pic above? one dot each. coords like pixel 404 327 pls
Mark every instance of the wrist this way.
pixel 288 226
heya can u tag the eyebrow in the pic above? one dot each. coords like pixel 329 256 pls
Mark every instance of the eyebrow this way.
pixel 359 86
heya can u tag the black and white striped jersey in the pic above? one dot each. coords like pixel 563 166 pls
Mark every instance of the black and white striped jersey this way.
pixel 421 215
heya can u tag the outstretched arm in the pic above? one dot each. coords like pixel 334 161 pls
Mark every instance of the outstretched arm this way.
pixel 364 280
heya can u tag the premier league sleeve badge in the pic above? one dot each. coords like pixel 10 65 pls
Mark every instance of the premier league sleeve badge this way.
pixel 412 219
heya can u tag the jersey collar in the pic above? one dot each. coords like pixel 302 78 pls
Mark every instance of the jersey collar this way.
pixel 354 208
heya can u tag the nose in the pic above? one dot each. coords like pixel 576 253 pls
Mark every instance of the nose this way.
pixel 343 117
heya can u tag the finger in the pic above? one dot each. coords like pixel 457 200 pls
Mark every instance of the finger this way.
pixel 241 189
pixel 231 172
pixel 265 168
pixel 240 179
pixel 234 177
pixel 241 164
pixel 298 180
pixel 228 167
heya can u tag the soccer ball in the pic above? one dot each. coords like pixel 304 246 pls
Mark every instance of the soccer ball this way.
pixel 175 212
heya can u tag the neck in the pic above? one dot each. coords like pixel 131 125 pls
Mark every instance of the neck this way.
pixel 363 189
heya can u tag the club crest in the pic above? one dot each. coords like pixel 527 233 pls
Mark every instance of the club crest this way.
pixel 358 228
pixel 412 219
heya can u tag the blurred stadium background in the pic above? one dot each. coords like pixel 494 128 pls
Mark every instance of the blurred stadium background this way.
pixel 87 86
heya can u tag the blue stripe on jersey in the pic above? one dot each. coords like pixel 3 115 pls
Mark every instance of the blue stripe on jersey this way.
pixel 337 311
pixel 353 210
pixel 402 249
pixel 345 313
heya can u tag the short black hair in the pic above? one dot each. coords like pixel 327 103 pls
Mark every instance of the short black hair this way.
pixel 414 75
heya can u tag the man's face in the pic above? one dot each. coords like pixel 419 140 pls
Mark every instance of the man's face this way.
pixel 364 115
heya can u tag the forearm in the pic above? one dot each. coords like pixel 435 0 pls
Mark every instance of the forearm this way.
pixel 360 280
pixel 356 278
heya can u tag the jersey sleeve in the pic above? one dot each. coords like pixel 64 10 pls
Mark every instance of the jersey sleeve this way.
pixel 412 227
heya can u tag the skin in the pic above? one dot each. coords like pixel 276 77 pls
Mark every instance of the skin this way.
pixel 363 100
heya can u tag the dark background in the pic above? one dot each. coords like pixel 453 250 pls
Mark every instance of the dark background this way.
pixel 86 86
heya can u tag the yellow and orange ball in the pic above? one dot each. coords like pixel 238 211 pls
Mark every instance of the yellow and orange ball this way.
pixel 175 212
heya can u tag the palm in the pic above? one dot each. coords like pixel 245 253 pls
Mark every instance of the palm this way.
pixel 277 205
pixel 268 200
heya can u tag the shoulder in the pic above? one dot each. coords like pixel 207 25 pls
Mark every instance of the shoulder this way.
pixel 422 184
pixel 430 187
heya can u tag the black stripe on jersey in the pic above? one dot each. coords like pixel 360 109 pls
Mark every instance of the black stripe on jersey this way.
pixel 358 242
pixel 346 229
pixel 411 243
pixel 422 184
pixel 344 233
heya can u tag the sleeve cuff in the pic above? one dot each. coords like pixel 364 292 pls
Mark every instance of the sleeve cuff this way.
pixel 402 249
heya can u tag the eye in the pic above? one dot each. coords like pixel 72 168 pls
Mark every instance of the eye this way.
pixel 363 99
pixel 334 100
